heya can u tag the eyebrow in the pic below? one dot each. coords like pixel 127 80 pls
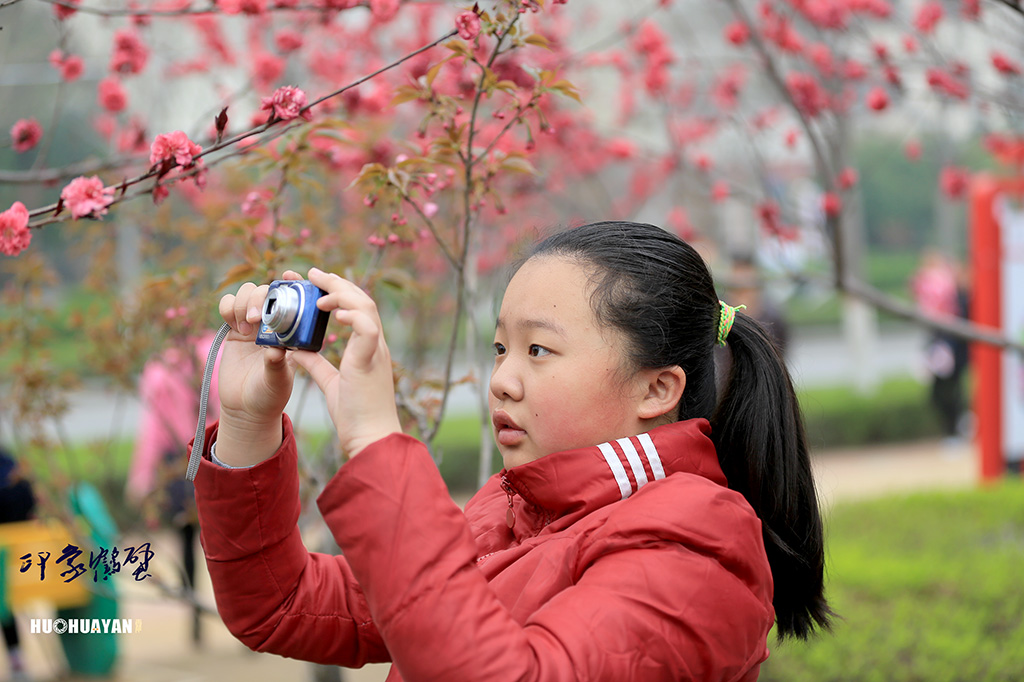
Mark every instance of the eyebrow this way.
pixel 549 325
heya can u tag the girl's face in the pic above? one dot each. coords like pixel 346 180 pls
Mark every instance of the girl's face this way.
pixel 557 379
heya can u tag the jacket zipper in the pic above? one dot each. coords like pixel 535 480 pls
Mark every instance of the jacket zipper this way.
pixel 510 513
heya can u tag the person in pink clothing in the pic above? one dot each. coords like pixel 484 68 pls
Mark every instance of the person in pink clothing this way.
pixel 643 527
pixel 169 395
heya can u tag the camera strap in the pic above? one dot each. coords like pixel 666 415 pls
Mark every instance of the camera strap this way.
pixel 204 398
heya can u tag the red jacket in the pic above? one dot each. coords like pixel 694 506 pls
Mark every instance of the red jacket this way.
pixel 626 561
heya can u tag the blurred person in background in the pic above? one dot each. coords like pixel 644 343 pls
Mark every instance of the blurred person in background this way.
pixel 940 291
pixel 169 391
pixel 17 502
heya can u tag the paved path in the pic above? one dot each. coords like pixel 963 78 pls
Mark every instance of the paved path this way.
pixel 164 653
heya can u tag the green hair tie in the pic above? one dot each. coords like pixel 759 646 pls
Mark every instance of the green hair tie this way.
pixel 728 316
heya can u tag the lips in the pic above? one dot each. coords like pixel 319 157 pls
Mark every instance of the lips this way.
pixel 506 431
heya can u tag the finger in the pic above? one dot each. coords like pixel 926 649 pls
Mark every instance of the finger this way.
pixel 291 274
pixel 236 316
pixel 319 368
pixel 341 293
pixel 254 310
pixel 366 339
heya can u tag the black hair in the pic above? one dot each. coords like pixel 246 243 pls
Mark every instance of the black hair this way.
pixel 657 291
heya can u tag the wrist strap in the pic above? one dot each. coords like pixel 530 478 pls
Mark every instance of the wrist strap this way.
pixel 204 398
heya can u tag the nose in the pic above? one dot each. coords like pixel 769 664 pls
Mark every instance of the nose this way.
pixel 506 383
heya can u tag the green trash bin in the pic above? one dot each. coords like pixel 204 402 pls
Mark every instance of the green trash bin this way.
pixel 93 653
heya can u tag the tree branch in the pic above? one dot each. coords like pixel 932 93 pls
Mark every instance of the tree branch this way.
pixel 258 130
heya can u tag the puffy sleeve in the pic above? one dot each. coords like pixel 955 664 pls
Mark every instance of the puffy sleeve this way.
pixel 649 608
pixel 273 594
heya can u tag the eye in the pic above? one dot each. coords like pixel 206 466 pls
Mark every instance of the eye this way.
pixel 538 351
pixel 498 349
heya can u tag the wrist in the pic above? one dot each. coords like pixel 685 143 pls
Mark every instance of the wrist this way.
pixel 358 443
pixel 243 442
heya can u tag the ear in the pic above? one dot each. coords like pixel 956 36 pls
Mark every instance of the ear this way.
pixel 664 391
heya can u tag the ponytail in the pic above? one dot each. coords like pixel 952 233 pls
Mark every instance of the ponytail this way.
pixel 759 434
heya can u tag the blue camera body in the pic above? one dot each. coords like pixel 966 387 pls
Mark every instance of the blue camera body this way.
pixel 290 316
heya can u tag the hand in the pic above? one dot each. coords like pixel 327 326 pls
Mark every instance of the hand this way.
pixel 360 392
pixel 255 382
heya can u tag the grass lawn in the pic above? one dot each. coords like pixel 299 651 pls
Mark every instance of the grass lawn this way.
pixel 929 587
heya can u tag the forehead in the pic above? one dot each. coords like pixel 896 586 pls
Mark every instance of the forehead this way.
pixel 548 289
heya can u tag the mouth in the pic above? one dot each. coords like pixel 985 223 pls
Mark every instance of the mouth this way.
pixel 506 431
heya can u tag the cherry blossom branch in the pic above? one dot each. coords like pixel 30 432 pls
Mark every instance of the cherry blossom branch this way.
pixel 958 327
pixel 1011 4
pixel 185 11
pixel 467 223
pixel 258 130
pixel 51 175
pixel 515 118
pixel 449 256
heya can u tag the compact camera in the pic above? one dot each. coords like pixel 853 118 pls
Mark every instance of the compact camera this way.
pixel 291 318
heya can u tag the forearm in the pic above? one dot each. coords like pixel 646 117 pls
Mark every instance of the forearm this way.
pixel 273 594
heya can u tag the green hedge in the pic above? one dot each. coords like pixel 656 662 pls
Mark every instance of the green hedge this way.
pixel 900 410
pixel 929 588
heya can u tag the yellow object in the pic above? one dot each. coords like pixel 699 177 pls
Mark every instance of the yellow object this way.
pixel 33 538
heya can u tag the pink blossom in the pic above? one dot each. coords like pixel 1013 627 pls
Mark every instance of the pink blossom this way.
pixel 910 44
pixel 947 83
pixel 384 10
pixel 112 96
pixel 821 56
pixel 928 16
pixel 173 146
pixel 130 53
pixel 287 103
pixel 971 9
pixel 953 181
pixel 913 150
pixel 63 12
pixel 726 89
pixel 847 178
pixel 288 40
pixel 70 66
pixel 878 99
pixel 255 204
pixel 720 191
pixel 266 68
pixel 468 25
pixel 831 204
pixel 430 209
pixel 792 137
pixel 242 6
pixel 621 148
pixel 854 70
pixel 14 233
pixel 808 95
pixel 737 33
pixel 679 221
pixel 1005 65
pixel 25 134
pixel 87 197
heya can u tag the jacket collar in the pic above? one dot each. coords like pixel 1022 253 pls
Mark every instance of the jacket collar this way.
pixel 587 478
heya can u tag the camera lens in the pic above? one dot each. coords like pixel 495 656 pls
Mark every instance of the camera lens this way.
pixel 281 309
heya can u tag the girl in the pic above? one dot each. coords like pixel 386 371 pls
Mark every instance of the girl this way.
pixel 643 527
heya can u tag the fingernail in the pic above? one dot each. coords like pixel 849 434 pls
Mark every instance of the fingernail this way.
pixel 252 313
pixel 316 270
pixel 244 328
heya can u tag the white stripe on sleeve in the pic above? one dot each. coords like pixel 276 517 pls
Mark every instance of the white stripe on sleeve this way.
pixel 618 470
pixel 634 462
pixel 652 455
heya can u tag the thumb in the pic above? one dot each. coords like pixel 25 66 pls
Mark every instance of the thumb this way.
pixel 276 367
pixel 319 367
